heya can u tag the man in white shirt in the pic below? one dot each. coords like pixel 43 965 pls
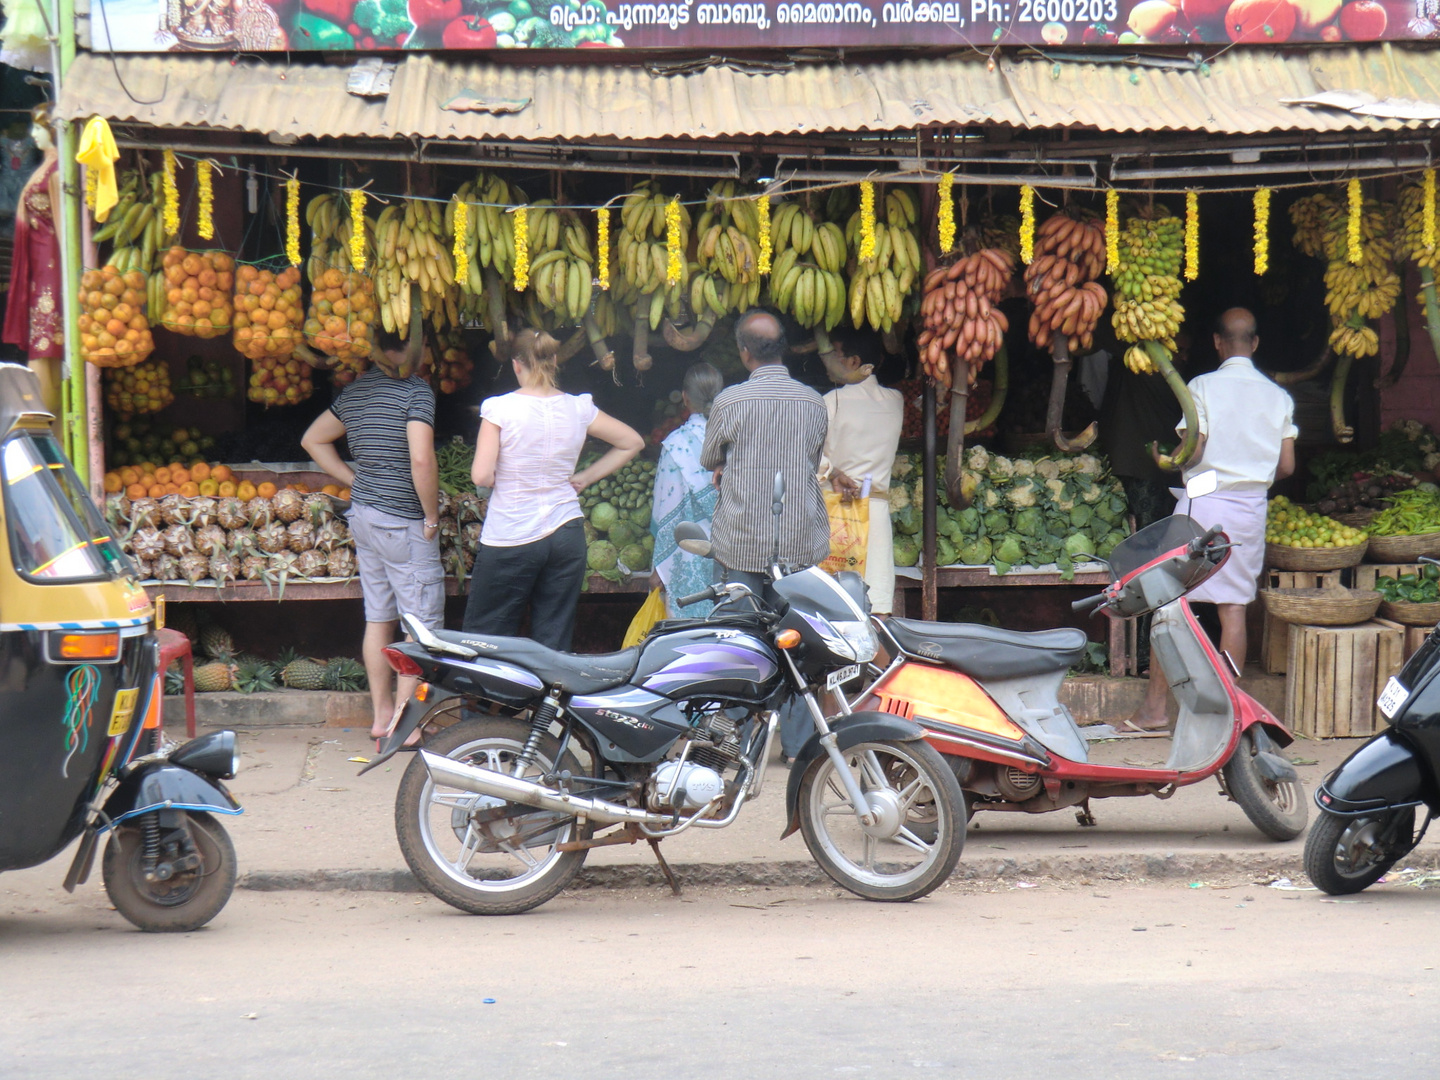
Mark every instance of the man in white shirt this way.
pixel 1247 436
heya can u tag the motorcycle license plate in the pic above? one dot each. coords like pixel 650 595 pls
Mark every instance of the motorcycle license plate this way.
pixel 1391 698
pixel 841 677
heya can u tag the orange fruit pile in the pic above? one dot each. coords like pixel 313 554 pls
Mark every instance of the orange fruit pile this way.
pixel 143 388
pixel 268 313
pixel 342 315
pixel 113 329
pixel 198 287
pixel 157 481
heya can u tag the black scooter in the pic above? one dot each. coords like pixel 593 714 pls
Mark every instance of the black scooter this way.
pixel 1368 805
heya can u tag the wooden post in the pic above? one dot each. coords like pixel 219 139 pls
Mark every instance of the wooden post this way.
pixel 929 602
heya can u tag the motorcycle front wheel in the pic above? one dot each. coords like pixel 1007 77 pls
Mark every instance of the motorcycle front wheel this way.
pixel 185 901
pixel 460 846
pixel 1277 808
pixel 918 831
pixel 1348 854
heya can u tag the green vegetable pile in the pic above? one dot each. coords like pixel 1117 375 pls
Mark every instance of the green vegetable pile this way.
pixel 1421 588
pixel 454 459
pixel 1411 513
pixel 1059 510
pixel 617 520
pixel 1406 446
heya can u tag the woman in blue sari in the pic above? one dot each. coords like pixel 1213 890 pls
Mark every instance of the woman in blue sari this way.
pixel 684 492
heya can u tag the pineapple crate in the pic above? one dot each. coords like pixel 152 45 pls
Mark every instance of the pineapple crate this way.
pixel 1275 636
pixel 1335 674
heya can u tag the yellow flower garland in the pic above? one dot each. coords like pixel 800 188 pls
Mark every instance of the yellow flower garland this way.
pixel 462 227
pixel 1027 224
pixel 674 266
pixel 1192 235
pixel 867 221
pixel 203 181
pixel 602 246
pixel 171 214
pixel 92 182
pixel 762 214
pixel 1427 211
pixel 1262 231
pixel 522 249
pixel 1352 226
pixel 292 221
pixel 1112 231
pixel 946 225
pixel 357 228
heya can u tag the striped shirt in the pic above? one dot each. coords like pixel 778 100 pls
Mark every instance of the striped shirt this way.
pixel 375 409
pixel 769 423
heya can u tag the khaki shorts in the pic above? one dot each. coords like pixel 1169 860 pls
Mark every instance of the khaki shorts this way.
pixel 400 571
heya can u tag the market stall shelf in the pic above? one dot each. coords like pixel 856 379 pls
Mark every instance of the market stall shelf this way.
pixel 181 593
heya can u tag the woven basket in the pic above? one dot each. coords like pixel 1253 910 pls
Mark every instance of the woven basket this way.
pixel 1280 557
pixel 1403 549
pixel 1321 607
pixel 1356 519
pixel 1411 614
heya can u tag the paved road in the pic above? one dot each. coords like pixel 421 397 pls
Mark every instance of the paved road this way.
pixel 1100 979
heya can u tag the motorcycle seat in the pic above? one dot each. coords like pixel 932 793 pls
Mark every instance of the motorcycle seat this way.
pixel 574 673
pixel 987 652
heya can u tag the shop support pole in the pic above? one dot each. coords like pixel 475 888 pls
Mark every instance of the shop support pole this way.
pixel 74 420
pixel 929 600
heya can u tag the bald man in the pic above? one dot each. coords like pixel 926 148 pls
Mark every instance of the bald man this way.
pixel 1247 436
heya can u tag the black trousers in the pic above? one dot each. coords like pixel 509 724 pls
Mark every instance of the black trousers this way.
pixel 544 576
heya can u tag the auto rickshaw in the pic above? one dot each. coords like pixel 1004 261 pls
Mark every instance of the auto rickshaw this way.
pixel 80 698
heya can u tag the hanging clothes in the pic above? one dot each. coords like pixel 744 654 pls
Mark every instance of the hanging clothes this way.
pixel 32 308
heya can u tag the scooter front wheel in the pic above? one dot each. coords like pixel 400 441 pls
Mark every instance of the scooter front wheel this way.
pixel 917 824
pixel 185 898
pixel 1348 854
pixel 1277 808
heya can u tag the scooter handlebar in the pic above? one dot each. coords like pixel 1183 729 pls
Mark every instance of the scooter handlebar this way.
pixel 1199 545
pixel 710 593
pixel 1089 602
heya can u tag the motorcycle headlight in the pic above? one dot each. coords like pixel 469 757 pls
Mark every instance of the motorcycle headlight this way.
pixel 860 639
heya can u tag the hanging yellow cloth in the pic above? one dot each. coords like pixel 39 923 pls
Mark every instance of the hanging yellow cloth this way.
pixel 98 154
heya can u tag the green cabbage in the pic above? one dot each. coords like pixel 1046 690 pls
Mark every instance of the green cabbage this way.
pixel 635 557
pixel 1078 545
pixel 1080 516
pixel 996 522
pixel 1106 546
pixel 969 521
pixel 945 552
pixel 1029 522
pixel 623 534
pixel 1009 551
pixel 976 553
pixel 908 521
pixel 907 551
pixel 602 556
pixel 604 516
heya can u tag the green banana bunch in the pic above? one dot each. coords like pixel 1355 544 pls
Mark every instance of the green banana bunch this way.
pixel 806 278
pixel 490 230
pixel 726 276
pixel 642 257
pixel 562 263
pixel 135 227
pixel 1147 285
pixel 880 285
pixel 413 245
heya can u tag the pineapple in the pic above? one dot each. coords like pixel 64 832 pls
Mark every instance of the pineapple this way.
pixel 279 567
pixel 448 531
pixel 288 505
pixel 175 510
pixel 117 511
pixel 310 564
pixel 216 642
pixel 166 568
pixel 147 544
pixel 341 563
pixel 331 535
pixel 254 567
pixel 182 618
pixel 144 569
pixel 300 536
pixel 145 514
pixel 318 508
pixel 174 680
pixel 202 511
pixel 179 540
pixel 470 536
pixel 469 507
pixel 242 541
pixel 345 673
pixel 230 513
pixel 254 675
pixel 210 540
pixel 214 676
pixel 194 567
pixel 223 567
pixel 446 503
pixel 272 538
pixel 259 511
pixel 303 673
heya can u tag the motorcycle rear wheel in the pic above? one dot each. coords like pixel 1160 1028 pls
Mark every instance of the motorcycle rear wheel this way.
pixel 440 840
pixel 188 900
pixel 1341 853
pixel 1277 809
pixel 916 843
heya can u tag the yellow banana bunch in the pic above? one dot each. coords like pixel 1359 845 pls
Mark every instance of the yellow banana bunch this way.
pixel 562 264
pixel 1357 341
pixel 1138 361
pixel 1147 285
pixel 1354 292
pixel 642 257
pixel 806 276
pixel 896 267
pixel 1411 241
pixel 1309 216
pixel 726 276
pixel 412 244
pixel 328 216
pixel 490 230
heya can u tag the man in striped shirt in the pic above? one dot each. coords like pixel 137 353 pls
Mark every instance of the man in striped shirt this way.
pixel 770 423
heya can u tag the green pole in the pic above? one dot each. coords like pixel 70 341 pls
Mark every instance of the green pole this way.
pixel 73 416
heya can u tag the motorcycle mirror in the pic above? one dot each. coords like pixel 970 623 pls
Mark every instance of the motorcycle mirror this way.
pixel 691 537
pixel 778 499
pixel 1202 484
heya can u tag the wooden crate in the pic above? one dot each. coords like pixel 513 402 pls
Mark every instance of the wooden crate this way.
pixel 1336 673
pixel 1275 636
pixel 1414 637
pixel 1366 573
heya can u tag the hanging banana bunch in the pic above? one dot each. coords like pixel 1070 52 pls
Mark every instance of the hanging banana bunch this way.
pixel 412 244
pixel 1147 287
pixel 959 306
pixel 643 279
pixel 328 216
pixel 136 231
pixel 562 263
pixel 1354 291
pixel 1417 242
pixel 806 279
pixel 727 276
pixel 881 282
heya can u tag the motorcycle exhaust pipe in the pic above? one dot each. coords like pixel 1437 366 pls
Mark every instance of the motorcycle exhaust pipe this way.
pixel 457 774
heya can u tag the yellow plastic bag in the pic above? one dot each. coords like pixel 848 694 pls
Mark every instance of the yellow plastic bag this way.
pixel 849 533
pixel 651 612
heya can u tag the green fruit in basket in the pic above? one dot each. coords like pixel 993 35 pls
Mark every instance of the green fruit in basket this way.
pixel 1293 526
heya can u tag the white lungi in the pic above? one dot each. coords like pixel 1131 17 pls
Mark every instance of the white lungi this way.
pixel 880 559
pixel 1242 515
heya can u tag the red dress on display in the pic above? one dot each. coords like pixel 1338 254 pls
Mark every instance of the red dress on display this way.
pixel 32 309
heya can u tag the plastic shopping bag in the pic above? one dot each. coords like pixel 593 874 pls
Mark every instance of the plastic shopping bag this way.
pixel 651 612
pixel 849 533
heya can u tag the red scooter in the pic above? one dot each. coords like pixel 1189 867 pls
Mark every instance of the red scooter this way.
pixel 988 699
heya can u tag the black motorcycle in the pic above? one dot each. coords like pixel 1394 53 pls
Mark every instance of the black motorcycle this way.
pixel 1368 805
pixel 556 753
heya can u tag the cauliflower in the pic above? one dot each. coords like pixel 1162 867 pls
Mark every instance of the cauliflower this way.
pixel 1024 467
pixel 1092 493
pixel 1056 489
pixel 1413 429
pixel 1089 465
pixel 1023 494
pixel 1066 465
pixel 991 498
pixel 1047 468
pixel 899 497
pixel 1000 469
pixel 977 458
pixel 1432 462
pixel 902 467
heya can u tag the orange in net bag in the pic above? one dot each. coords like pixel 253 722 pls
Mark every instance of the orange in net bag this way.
pixel 268 325
pixel 113 329
pixel 198 286
pixel 143 388
pixel 342 317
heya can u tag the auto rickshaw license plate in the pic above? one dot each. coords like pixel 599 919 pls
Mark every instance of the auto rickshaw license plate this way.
pixel 123 711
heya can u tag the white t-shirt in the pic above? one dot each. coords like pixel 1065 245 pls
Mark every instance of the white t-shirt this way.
pixel 1244 417
pixel 540 441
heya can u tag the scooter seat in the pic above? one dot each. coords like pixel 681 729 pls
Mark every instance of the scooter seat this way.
pixel 574 673
pixel 986 652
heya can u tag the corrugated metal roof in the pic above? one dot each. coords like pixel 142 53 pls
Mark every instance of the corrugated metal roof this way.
pixel 1239 93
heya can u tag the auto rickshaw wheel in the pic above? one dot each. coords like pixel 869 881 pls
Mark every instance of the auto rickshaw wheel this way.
pixel 192 895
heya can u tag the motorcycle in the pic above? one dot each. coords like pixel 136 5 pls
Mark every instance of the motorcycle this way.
pixel 988 699
pixel 1368 805
pixel 496 812
pixel 80 704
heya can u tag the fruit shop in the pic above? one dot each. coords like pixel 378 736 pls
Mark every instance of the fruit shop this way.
pixel 252 262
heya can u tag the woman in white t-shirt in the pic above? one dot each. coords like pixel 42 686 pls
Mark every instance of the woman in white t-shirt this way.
pixel 532 546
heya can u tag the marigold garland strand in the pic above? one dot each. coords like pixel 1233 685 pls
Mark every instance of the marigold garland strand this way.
pixel 1192 235
pixel 1262 231
pixel 1027 224
pixel 205 226
pixel 172 197
pixel 1352 226
pixel 357 228
pixel 602 246
pixel 947 214
pixel 292 221
pixel 92 182
pixel 462 228
pixel 762 214
pixel 1427 211
pixel 1112 231
pixel 867 221
pixel 522 249
pixel 674 256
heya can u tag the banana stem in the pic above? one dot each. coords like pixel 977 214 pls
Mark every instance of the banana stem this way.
pixel 891 341
pixel 1172 462
pixel 1060 352
pixel 997 396
pixel 499 325
pixel 1343 432
pixel 1401 320
pixel 688 340
pixel 571 345
pixel 603 354
pixel 1294 378
pixel 640 356
pixel 955 442
pixel 1432 308
pixel 824 346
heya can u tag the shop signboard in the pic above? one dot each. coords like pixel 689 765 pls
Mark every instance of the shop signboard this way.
pixel 484 25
